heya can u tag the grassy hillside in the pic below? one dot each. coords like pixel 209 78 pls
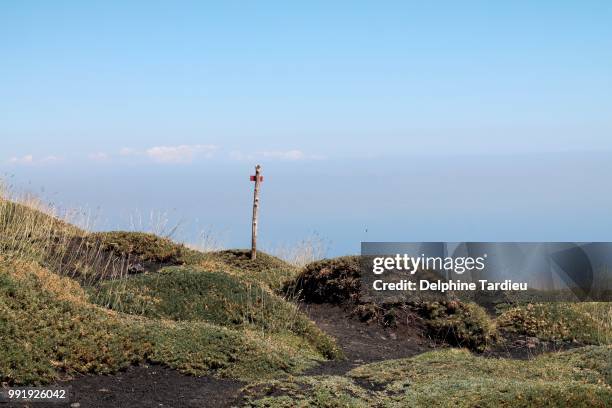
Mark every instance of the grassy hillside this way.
pixel 74 302
pixel 49 327
pixel 193 294
pixel 31 231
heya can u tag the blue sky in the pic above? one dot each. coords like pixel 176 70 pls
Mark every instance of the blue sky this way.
pixel 360 96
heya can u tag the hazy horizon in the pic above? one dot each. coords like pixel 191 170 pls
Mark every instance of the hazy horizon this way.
pixel 540 197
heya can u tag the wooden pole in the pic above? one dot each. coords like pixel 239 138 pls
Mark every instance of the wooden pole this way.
pixel 258 179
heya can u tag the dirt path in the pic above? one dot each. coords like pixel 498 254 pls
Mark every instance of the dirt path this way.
pixel 150 386
pixel 364 343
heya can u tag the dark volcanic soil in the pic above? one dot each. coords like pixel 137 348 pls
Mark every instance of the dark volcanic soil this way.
pixel 149 386
pixel 364 343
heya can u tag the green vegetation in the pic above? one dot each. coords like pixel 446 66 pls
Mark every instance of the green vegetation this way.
pixel 75 302
pixel 30 231
pixel 200 321
pixel 585 323
pixel 454 377
pixel 199 348
pixel 48 326
pixel 266 269
pixel 148 249
pixel 189 293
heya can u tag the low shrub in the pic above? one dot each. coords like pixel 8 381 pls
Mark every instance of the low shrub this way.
pixel 461 324
pixel 333 281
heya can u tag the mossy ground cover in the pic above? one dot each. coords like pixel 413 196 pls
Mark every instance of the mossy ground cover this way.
pixel 582 323
pixel 200 348
pixel 199 322
pixel 151 251
pixel 31 231
pixel 453 377
pixel 193 294
pixel 49 328
pixel 266 269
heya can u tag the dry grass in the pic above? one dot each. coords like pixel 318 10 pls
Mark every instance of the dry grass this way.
pixel 155 222
pixel 33 230
pixel 207 242
pixel 301 253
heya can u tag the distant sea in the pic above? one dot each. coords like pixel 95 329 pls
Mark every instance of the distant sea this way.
pixel 536 197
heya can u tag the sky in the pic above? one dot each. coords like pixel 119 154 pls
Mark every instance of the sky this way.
pixel 403 121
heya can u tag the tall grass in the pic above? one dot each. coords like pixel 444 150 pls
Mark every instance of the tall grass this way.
pixel 207 242
pixel 31 229
pixel 310 249
pixel 156 223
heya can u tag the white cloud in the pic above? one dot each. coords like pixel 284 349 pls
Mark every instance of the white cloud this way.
pixel 29 159
pixel 171 154
pixel 50 159
pixel 179 154
pixel 284 155
pixel 99 156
